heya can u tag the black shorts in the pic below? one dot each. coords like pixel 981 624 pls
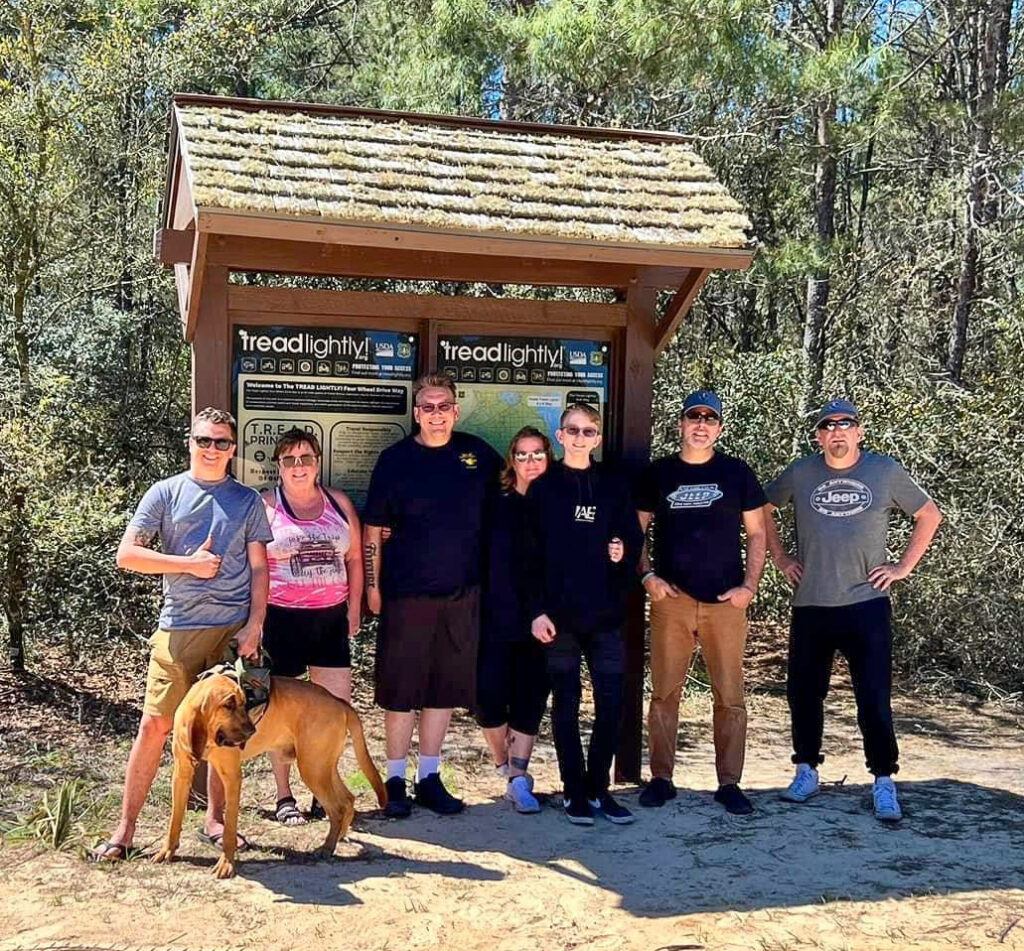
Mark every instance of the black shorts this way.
pixel 426 652
pixel 298 638
pixel 512 685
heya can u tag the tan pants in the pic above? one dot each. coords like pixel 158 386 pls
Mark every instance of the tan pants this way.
pixel 677 624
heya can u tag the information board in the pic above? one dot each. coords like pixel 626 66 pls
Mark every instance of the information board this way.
pixel 506 383
pixel 351 388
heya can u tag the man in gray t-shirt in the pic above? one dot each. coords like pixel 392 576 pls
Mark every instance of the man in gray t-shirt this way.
pixel 213 533
pixel 842 500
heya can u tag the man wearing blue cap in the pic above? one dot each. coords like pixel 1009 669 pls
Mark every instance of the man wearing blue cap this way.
pixel 699 499
pixel 842 499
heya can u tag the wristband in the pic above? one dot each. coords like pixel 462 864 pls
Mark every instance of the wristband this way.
pixel 647 577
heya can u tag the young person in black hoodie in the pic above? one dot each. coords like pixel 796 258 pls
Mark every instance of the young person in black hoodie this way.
pixel 584 541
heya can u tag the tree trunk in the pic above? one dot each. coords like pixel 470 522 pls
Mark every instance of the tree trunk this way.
pixel 819 281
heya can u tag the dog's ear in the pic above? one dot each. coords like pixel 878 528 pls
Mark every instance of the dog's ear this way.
pixel 190 729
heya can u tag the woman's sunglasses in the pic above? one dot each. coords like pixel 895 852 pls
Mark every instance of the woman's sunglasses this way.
pixel 290 462
pixel 530 456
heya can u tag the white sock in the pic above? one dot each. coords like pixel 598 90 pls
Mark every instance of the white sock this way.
pixel 428 765
pixel 396 768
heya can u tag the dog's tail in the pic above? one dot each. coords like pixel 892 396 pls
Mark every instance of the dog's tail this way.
pixel 355 729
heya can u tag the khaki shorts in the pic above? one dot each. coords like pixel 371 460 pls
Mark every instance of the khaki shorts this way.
pixel 177 658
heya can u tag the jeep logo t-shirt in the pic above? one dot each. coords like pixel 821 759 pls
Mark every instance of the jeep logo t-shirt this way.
pixel 842 517
pixel 698 511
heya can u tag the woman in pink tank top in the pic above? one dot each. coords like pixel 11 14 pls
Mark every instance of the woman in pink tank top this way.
pixel 316 585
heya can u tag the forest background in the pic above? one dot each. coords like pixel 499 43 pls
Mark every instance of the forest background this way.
pixel 877 146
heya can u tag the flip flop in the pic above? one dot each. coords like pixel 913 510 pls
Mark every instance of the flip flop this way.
pixel 287 812
pixel 217 841
pixel 109 851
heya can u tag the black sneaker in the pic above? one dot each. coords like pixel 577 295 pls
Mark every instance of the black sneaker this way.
pixel 657 792
pixel 606 806
pixel 399 804
pixel 430 792
pixel 578 812
pixel 731 796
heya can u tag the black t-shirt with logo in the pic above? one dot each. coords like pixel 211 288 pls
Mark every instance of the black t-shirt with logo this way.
pixel 433 500
pixel 698 511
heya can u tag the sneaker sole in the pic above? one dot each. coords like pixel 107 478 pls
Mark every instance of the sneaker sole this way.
pixel 619 820
pixel 785 797
pixel 889 820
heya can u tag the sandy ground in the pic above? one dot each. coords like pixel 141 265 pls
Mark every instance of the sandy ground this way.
pixel 821 875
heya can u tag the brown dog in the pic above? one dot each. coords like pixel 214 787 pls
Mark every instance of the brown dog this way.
pixel 302 721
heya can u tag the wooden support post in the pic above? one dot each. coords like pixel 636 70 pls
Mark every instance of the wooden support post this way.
pixel 211 344
pixel 636 375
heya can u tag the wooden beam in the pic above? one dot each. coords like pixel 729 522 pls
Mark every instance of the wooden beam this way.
pixel 370 234
pixel 292 257
pixel 299 301
pixel 636 376
pixel 171 246
pixel 181 284
pixel 196 278
pixel 211 345
pixel 678 307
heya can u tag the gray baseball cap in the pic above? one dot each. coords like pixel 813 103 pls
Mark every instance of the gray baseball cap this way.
pixel 837 408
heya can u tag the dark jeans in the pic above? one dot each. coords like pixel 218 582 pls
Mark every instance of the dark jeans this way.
pixel 862 633
pixel 606 660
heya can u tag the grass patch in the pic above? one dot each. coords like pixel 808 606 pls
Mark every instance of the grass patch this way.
pixel 66 817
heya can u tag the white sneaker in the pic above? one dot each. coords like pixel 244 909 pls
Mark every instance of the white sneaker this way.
pixel 804 785
pixel 887 806
pixel 519 794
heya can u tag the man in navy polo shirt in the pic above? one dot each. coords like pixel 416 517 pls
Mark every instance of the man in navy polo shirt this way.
pixel 842 499
pixel 699 499
pixel 429 490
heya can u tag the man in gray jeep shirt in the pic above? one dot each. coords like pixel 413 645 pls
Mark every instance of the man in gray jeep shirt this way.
pixel 843 498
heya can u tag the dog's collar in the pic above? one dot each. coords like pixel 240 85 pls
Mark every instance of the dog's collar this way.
pixel 254 681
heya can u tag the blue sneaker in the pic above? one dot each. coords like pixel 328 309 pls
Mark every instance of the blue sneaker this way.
pixel 606 806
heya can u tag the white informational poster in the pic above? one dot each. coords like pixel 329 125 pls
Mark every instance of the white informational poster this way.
pixel 351 388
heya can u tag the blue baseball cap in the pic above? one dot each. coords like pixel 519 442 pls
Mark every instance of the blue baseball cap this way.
pixel 837 408
pixel 705 398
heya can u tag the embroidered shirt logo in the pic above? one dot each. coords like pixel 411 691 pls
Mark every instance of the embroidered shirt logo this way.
pixel 841 498
pixel 586 513
pixel 468 459
pixel 694 496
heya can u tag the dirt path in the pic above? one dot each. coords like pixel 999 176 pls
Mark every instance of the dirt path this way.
pixel 822 875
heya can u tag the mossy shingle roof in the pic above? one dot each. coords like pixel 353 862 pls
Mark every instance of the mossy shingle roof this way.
pixel 546 186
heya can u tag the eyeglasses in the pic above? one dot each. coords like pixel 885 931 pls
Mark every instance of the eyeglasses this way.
pixel 588 432
pixel 696 416
pixel 535 456
pixel 221 445
pixel 831 425
pixel 446 407
pixel 290 462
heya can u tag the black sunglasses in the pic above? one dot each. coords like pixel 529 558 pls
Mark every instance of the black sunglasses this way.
pixel 696 416
pixel 221 445
pixel 831 425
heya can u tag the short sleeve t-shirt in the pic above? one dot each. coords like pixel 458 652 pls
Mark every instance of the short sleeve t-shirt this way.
pixel 698 511
pixel 185 512
pixel 842 518
pixel 433 500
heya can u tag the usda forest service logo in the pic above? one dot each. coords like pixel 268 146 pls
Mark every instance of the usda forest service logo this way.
pixel 841 498
pixel 694 496
pixel 468 459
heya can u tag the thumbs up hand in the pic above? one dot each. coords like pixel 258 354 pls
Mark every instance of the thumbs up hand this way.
pixel 203 563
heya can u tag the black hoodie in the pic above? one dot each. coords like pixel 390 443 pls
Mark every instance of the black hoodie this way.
pixel 572 515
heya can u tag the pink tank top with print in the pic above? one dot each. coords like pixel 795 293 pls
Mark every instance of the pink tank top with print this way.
pixel 307 556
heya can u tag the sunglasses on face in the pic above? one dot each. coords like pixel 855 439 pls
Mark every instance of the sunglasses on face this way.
pixel 696 416
pixel 290 462
pixel 535 456
pixel 588 432
pixel 446 407
pixel 221 445
pixel 831 425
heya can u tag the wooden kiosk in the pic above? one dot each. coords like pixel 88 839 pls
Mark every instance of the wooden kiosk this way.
pixel 262 189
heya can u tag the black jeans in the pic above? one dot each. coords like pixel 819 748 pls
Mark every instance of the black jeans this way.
pixel 862 633
pixel 606 660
